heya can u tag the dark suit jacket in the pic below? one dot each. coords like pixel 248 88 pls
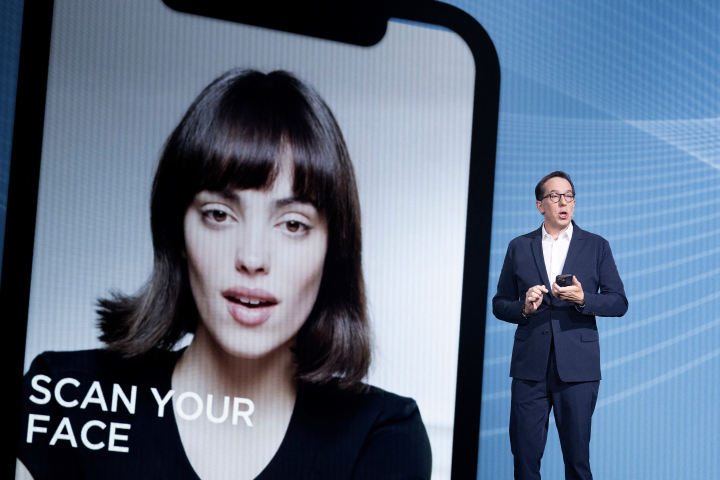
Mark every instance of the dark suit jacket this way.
pixel 576 337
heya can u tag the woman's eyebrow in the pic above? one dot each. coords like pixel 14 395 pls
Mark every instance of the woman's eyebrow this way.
pixel 229 195
pixel 235 197
pixel 283 202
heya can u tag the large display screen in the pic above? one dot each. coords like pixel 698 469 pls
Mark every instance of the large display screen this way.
pixel 155 129
pixel 623 97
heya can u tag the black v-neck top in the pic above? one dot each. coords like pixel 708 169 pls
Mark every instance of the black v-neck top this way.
pixel 333 434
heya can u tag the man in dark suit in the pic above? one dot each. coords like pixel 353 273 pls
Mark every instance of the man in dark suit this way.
pixel 556 355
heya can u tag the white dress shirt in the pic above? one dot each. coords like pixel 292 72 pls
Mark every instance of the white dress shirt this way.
pixel 555 252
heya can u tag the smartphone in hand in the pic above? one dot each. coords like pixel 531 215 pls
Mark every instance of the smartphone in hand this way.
pixel 564 280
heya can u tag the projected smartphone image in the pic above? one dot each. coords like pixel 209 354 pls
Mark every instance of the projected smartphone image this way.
pixel 249 250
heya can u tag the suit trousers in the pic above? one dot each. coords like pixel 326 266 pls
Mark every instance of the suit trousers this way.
pixel 573 405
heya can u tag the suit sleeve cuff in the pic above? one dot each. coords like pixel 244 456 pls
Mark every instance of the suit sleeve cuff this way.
pixel 523 320
pixel 583 308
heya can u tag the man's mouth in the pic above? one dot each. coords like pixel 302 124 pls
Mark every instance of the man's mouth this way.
pixel 562 214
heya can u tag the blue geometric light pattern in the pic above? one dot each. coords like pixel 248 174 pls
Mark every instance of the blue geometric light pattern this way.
pixel 625 97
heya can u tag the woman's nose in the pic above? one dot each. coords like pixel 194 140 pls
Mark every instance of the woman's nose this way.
pixel 252 253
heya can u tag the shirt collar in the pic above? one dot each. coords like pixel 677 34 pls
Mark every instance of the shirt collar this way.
pixel 567 233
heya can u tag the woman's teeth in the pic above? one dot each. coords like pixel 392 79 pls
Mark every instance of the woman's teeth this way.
pixel 253 302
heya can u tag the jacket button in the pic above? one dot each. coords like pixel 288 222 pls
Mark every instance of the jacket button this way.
pixel 545 332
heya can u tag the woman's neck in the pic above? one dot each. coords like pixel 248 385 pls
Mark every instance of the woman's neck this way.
pixel 205 368
pixel 246 445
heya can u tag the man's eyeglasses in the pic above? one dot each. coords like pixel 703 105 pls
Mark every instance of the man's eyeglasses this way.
pixel 555 197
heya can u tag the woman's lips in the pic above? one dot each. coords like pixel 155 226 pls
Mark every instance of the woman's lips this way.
pixel 249 306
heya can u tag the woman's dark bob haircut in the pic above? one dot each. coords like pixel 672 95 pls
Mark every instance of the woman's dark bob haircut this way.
pixel 235 136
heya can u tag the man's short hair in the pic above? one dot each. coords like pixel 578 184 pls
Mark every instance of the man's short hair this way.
pixel 540 188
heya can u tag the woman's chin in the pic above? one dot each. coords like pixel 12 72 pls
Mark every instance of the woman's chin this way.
pixel 254 350
pixel 227 338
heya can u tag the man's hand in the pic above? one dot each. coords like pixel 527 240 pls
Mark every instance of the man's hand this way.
pixel 574 293
pixel 533 299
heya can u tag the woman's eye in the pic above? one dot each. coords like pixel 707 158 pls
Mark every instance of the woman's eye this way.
pixel 293 226
pixel 219 216
pixel 213 216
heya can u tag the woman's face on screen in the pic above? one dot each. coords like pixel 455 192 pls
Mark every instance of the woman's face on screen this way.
pixel 255 261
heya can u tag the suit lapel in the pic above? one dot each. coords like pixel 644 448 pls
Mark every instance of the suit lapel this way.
pixel 537 250
pixel 573 250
